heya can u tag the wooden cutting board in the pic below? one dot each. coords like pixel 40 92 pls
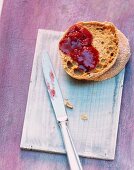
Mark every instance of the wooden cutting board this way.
pixel 94 137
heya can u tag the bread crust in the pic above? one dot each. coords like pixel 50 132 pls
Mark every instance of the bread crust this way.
pixel 122 59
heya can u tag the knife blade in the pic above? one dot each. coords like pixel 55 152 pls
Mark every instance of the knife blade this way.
pixel 56 98
pixel 53 88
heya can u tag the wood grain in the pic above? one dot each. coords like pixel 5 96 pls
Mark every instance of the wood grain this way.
pixel 19 23
pixel 95 137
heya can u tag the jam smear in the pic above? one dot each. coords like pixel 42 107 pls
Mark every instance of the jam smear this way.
pixel 51 76
pixel 52 91
pixel 77 43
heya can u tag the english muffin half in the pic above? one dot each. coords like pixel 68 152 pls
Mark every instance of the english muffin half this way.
pixel 89 49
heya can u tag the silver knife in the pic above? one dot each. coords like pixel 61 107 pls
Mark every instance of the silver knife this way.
pixel 60 112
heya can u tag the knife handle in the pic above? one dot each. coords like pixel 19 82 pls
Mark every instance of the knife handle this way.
pixel 72 155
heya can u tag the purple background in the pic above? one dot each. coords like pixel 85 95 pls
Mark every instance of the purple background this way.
pixel 19 23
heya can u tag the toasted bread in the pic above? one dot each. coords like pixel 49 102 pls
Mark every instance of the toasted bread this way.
pixel 122 59
pixel 105 40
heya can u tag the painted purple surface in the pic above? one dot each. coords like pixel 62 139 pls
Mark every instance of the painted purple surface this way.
pixel 19 23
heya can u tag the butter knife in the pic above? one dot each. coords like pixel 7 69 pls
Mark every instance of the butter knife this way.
pixel 60 112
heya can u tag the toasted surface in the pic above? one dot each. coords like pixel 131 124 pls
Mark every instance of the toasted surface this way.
pixel 122 59
pixel 105 40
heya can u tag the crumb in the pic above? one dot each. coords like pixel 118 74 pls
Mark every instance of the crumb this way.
pixel 84 116
pixel 68 104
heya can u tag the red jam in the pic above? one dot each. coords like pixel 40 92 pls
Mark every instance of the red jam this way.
pixel 77 43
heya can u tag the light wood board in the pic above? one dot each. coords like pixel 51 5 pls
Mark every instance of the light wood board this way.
pixel 95 137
